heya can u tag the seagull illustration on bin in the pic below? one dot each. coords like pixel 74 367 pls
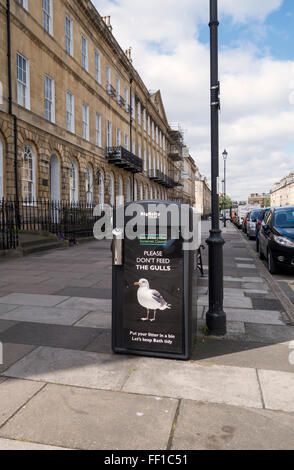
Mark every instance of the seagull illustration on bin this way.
pixel 150 299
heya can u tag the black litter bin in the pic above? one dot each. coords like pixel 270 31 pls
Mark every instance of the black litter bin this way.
pixel 154 291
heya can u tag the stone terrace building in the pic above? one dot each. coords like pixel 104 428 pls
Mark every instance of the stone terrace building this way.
pixel 76 120
pixel 189 176
pixel 283 192
pixel 202 195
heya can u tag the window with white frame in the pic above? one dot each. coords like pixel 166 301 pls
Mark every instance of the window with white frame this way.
pixel 148 125
pixel 49 99
pixel 89 186
pixel 111 190
pixel 73 182
pixel 23 81
pixel 149 162
pixel 85 121
pixel 70 112
pixel 145 160
pixel 23 3
pixel 144 119
pixel 133 106
pixel 98 67
pixel 69 43
pixel 109 134
pixel 108 79
pixel 48 16
pixel 101 187
pixel 153 130
pixel 98 130
pixel 127 142
pixel 139 113
pixel 120 187
pixel 127 99
pixel 28 178
pixel 85 57
pixel 118 137
pixel 163 142
pixel 156 133
pixel 139 151
pixel 1 171
pixel 118 90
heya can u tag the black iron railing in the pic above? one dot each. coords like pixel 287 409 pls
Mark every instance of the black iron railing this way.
pixel 68 221
pixel 158 176
pixel 8 226
pixel 122 157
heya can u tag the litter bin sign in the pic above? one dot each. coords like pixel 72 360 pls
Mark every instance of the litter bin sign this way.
pixel 154 296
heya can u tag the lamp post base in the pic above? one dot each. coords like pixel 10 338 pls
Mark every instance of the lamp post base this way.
pixel 216 318
pixel 216 323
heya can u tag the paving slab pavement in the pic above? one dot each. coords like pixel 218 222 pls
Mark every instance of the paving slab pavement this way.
pixel 14 394
pixel 47 315
pixel 202 426
pixel 216 384
pixel 41 347
pixel 277 389
pixel 32 300
pixel 13 353
pixel 56 336
pixel 243 354
pixel 76 368
pixel 94 420
pixel 10 444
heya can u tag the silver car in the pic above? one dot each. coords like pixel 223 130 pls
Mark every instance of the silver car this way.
pixel 251 223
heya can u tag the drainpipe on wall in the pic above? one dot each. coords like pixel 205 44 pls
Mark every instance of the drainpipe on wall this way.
pixel 15 126
pixel 131 131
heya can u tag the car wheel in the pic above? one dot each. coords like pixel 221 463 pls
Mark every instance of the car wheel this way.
pixel 272 266
pixel 261 255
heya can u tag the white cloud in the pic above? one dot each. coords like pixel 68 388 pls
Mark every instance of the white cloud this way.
pixel 257 119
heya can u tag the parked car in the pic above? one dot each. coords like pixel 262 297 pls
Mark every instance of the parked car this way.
pixel 251 223
pixel 242 211
pixel 276 238
pixel 259 221
pixel 244 224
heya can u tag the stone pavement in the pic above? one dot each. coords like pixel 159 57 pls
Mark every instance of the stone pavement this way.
pixel 61 386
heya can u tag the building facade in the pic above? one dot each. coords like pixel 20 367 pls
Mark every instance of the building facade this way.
pixel 260 199
pixel 77 123
pixel 283 192
pixel 202 195
pixel 188 179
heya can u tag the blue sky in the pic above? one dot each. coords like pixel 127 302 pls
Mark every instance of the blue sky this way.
pixel 170 48
pixel 274 36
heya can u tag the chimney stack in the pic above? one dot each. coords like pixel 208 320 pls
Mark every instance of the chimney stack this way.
pixel 106 20
pixel 128 54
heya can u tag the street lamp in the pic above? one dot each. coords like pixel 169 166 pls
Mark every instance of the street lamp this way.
pixel 215 318
pixel 225 156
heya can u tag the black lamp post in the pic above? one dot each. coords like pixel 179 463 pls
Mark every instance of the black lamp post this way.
pixel 225 156
pixel 215 317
